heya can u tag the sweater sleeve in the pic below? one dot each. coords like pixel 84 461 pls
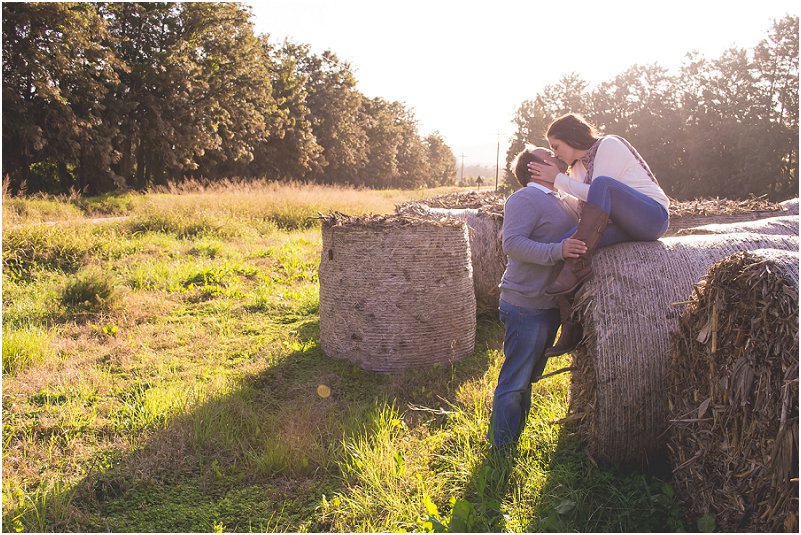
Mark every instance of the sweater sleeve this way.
pixel 519 221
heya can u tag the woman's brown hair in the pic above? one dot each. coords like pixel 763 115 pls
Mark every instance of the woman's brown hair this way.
pixel 574 130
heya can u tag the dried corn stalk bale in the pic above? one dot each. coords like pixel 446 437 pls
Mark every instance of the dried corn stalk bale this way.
pixel 396 292
pixel 787 224
pixel 716 206
pixel 628 309
pixel 486 247
pixel 489 201
pixel 698 212
pixel 733 437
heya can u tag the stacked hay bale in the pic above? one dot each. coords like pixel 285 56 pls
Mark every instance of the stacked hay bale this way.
pixel 396 292
pixel 483 213
pixel 734 395
pixel 628 309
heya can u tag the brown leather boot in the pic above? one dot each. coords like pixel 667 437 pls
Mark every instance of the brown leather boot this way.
pixel 571 332
pixel 577 270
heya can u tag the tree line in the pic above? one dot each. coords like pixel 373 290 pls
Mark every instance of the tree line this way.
pixel 106 96
pixel 724 127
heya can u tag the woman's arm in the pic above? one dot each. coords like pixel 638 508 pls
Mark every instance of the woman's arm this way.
pixel 576 188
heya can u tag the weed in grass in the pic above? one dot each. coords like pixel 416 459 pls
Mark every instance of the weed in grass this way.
pixel 37 209
pixel 110 204
pixel 47 507
pixel 90 291
pixel 206 249
pixel 29 250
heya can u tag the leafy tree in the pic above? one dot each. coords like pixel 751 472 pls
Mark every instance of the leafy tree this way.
pixel 292 152
pixel 727 126
pixel 413 166
pixel 441 161
pixel 335 105
pixel 163 125
pixel 776 64
pixel 235 68
pixel 57 69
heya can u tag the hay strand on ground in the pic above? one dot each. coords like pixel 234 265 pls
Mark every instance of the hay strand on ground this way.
pixel 628 309
pixel 396 292
pixel 733 439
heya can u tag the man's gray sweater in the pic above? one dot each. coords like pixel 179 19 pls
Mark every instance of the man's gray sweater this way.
pixel 534 224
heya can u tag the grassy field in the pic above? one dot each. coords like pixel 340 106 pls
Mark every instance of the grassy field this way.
pixel 161 373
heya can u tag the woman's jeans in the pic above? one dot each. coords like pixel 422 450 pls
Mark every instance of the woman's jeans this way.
pixel 633 216
pixel 528 333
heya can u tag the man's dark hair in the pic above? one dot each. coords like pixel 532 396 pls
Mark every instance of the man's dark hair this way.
pixel 520 165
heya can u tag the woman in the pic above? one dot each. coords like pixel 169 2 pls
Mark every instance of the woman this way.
pixel 622 202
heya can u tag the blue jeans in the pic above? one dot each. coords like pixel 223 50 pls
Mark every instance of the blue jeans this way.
pixel 633 216
pixel 528 333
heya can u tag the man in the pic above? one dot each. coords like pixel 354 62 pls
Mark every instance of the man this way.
pixel 535 220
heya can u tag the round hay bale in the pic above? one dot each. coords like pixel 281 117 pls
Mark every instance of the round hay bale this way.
pixel 396 292
pixel 628 309
pixel 733 395
pixel 486 247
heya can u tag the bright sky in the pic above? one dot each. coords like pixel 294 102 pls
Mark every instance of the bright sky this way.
pixel 463 67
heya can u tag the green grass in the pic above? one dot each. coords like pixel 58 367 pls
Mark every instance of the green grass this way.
pixel 160 373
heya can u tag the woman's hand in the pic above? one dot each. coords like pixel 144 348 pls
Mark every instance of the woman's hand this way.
pixel 573 248
pixel 545 172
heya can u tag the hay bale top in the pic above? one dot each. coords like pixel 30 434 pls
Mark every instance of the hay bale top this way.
pixel 413 216
pixel 717 206
pixel 488 201
pixel 790 206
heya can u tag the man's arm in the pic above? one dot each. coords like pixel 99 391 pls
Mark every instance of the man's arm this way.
pixel 520 218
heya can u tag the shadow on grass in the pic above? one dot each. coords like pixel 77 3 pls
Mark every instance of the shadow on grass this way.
pixel 259 457
pixel 577 495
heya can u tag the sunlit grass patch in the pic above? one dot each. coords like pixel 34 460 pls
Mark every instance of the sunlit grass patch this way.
pixel 187 221
pixel 193 403
pixel 29 250
pixel 149 406
pixel 25 347
pixel 46 507
pixel 18 210
pixel 110 204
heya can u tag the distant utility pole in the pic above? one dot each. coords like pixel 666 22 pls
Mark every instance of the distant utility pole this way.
pixel 462 177
pixel 497 159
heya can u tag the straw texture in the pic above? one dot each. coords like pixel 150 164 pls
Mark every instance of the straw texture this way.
pixel 483 213
pixel 628 309
pixel 733 436
pixel 486 248
pixel 396 292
